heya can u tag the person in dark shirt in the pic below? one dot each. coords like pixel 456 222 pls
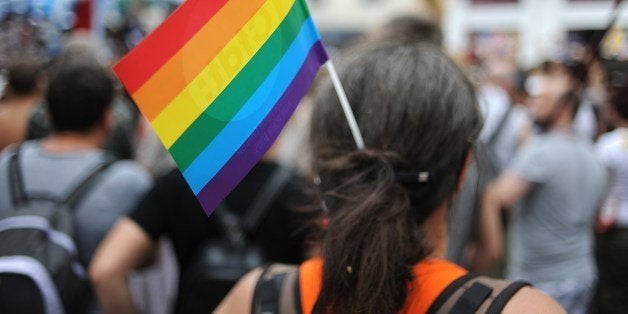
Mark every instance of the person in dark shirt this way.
pixel 171 209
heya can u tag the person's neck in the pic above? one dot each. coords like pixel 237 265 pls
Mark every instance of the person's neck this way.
pixel 562 126
pixel 435 228
pixel 63 142
pixel 21 100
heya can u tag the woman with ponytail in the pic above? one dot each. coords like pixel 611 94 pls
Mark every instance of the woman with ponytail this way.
pixel 383 208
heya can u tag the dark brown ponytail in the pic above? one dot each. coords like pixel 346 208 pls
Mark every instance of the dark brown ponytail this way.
pixel 372 220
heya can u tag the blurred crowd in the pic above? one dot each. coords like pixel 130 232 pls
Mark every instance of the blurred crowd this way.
pixel 545 198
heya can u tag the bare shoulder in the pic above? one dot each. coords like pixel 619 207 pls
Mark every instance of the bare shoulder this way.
pixel 240 297
pixel 530 300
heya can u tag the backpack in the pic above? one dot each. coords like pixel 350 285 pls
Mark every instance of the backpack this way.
pixel 39 267
pixel 220 263
pixel 277 292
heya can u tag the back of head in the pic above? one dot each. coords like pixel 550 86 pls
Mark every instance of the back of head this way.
pixel 23 77
pixel 502 72
pixel 618 98
pixel 419 118
pixel 578 72
pixel 617 90
pixel 548 85
pixel 78 97
pixel 409 29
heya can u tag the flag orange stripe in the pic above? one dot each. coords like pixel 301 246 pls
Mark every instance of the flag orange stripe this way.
pixel 201 92
pixel 141 63
pixel 193 57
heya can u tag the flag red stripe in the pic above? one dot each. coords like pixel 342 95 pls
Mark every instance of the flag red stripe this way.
pixel 150 55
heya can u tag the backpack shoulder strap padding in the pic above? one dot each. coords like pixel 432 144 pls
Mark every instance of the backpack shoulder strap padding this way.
pixel 447 294
pixel 501 299
pixel 16 182
pixel 471 300
pixel 476 294
pixel 277 290
pixel 85 185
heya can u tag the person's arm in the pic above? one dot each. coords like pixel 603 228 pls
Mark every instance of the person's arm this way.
pixel 533 301
pixel 525 134
pixel 607 210
pixel 126 246
pixel 504 192
pixel 240 297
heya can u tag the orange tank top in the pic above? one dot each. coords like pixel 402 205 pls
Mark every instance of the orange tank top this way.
pixel 435 275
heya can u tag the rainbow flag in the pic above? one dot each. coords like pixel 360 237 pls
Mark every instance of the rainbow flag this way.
pixel 218 81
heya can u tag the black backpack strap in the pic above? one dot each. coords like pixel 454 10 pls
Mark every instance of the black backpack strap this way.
pixel 16 180
pixel 18 190
pixel 85 185
pixel 265 197
pixel 277 291
pixel 16 183
pixel 476 294
pixel 448 293
pixel 500 301
pixel 234 228
pixel 230 226
pixel 472 299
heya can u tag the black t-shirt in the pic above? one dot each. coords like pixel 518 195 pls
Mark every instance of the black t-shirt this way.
pixel 171 209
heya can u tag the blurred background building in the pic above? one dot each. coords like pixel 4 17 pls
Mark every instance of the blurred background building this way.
pixel 524 31
pixel 528 31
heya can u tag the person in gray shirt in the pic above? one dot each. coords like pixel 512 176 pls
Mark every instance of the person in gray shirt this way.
pixel 553 188
pixel 79 102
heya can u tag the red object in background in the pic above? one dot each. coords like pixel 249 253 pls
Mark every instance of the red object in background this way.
pixel 83 15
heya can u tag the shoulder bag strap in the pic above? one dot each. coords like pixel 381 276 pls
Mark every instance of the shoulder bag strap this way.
pixel 85 185
pixel 235 228
pixel 277 291
pixel 230 225
pixel 500 301
pixel 265 197
pixel 500 126
pixel 476 294
pixel 444 298
pixel 18 190
pixel 16 180
pixel 472 298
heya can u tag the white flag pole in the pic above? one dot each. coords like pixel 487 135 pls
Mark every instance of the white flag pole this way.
pixel 344 102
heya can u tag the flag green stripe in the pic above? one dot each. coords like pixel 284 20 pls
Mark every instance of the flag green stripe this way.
pixel 226 106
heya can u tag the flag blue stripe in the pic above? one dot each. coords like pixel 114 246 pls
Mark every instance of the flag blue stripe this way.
pixel 221 149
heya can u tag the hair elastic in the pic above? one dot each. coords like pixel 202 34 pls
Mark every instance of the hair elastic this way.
pixel 325 217
pixel 412 177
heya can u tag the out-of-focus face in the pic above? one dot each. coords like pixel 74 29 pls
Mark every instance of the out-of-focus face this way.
pixel 545 91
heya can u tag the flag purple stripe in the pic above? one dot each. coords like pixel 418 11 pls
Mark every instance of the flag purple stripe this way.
pixel 260 141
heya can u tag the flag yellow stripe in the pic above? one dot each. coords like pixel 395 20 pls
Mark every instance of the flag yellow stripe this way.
pixel 199 94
